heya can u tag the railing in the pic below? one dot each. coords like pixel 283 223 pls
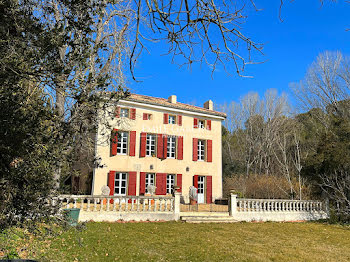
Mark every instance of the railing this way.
pixel 279 205
pixel 101 203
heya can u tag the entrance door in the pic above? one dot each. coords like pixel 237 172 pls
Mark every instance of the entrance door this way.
pixel 200 191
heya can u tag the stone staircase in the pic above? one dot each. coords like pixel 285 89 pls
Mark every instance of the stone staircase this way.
pixel 206 217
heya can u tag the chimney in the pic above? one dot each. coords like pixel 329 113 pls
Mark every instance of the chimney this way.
pixel 209 105
pixel 172 99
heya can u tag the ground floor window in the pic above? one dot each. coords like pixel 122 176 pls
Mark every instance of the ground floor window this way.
pixel 120 184
pixel 170 183
pixel 149 181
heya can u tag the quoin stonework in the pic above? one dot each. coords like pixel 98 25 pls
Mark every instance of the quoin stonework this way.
pixel 160 142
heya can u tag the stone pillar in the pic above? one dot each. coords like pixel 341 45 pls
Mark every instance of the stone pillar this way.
pixel 177 206
pixel 233 203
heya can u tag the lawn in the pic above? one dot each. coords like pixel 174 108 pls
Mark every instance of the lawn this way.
pixel 172 241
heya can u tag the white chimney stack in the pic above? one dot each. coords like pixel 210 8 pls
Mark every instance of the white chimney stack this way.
pixel 172 99
pixel 209 105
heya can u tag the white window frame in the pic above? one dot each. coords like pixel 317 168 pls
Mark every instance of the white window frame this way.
pixel 151 145
pixel 171 147
pixel 150 180
pixel 170 183
pixel 201 123
pixel 120 184
pixel 201 150
pixel 124 112
pixel 172 119
pixel 123 142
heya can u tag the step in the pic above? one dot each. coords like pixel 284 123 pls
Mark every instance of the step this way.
pixel 208 219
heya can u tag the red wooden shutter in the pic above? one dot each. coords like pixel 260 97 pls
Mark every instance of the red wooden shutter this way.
pixel 195 149
pixel 145 116
pixel 209 189
pixel 132 144
pixel 179 120
pixel 209 124
pixel 133 113
pixel 179 182
pixel 195 122
pixel 209 150
pixel 111 178
pixel 165 146
pixel 160 146
pixel 132 184
pixel 180 147
pixel 117 111
pixel 114 142
pixel 142 183
pixel 143 145
pixel 195 181
pixel 160 184
pixel 166 119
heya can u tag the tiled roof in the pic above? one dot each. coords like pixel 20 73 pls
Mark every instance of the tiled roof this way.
pixel 164 102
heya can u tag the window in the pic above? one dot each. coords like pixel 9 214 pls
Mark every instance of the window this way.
pixel 171 147
pixel 147 116
pixel 201 124
pixel 170 183
pixel 151 145
pixel 122 148
pixel 201 150
pixel 124 112
pixel 149 181
pixel 120 184
pixel 172 119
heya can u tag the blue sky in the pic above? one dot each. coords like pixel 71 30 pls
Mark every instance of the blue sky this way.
pixel 290 47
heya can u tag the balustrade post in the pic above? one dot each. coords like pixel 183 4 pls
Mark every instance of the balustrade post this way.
pixel 233 204
pixel 177 206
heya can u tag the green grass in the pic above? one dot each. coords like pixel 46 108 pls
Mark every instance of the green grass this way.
pixel 173 241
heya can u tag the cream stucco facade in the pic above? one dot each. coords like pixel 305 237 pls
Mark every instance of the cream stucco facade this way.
pixel 187 167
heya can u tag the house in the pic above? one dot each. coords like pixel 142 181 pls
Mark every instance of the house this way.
pixel 160 142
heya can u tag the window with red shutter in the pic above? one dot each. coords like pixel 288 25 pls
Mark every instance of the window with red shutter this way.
pixel 132 184
pixel 160 184
pixel 114 142
pixel 195 122
pixel 166 118
pixel 111 178
pixel 143 144
pixel 145 116
pixel 180 147
pixel 160 146
pixel 132 144
pixel 179 120
pixel 133 113
pixel 195 149
pixel 142 183
pixel 179 182
pixel 195 181
pixel 209 189
pixel 209 124
pixel 209 150
pixel 165 146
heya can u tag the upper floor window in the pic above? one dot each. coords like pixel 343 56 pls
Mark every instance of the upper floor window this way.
pixel 151 145
pixel 201 123
pixel 172 119
pixel 124 112
pixel 149 181
pixel 201 150
pixel 171 147
pixel 122 147
pixel 170 183
pixel 147 116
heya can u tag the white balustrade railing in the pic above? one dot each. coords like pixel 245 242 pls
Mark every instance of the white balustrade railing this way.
pixel 278 205
pixel 101 203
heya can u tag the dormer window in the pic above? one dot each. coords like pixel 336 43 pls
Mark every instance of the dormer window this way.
pixel 124 112
pixel 172 119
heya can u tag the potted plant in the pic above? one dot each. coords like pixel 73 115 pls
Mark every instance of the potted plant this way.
pixel 193 195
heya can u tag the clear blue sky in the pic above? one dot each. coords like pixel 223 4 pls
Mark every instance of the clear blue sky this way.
pixel 290 47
